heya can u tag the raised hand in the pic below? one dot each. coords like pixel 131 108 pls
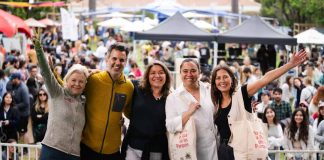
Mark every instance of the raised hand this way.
pixel 298 58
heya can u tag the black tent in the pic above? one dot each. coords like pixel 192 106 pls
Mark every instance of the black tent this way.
pixel 257 31
pixel 176 28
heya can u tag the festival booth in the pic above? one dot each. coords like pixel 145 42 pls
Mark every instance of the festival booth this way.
pixel 175 28
pixel 311 36
pixel 255 31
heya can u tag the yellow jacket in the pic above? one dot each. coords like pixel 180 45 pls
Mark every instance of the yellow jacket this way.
pixel 106 100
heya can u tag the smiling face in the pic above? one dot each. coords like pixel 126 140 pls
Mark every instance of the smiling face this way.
pixel 157 76
pixel 8 99
pixel 223 80
pixel 270 114
pixel 297 82
pixel 299 117
pixel 116 62
pixel 189 73
pixel 76 83
pixel 321 111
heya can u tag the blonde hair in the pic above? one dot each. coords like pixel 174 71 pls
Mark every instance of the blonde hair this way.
pixel 38 103
pixel 76 68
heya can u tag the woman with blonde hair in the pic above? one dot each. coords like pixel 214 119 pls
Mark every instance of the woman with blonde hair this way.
pixel 66 118
pixel 39 115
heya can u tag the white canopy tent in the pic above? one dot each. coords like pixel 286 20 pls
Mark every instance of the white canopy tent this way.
pixel 136 26
pixel 31 22
pixel 115 23
pixel 311 36
pixel 203 24
pixel 118 15
pixel 196 15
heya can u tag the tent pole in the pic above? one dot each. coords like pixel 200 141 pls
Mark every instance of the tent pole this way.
pixel 215 53
pixel 134 48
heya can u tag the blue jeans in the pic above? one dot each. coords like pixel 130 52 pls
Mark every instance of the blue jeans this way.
pixel 49 153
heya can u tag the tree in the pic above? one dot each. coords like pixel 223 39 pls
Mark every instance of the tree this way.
pixel 34 12
pixel 294 11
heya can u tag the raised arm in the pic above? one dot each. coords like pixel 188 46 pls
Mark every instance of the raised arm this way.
pixel 49 78
pixel 296 59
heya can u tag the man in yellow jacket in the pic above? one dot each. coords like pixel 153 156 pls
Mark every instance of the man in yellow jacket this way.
pixel 108 95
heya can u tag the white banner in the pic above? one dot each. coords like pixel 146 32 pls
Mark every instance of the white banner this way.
pixel 69 25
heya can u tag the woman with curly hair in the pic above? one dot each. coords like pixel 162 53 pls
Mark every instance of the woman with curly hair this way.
pixel 299 135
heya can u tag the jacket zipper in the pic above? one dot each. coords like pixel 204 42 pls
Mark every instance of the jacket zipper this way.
pixel 103 140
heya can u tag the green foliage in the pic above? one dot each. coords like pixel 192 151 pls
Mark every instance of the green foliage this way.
pixel 294 11
pixel 35 12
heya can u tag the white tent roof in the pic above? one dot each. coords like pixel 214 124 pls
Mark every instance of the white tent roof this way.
pixel 203 24
pixel 119 14
pixel 311 36
pixel 31 22
pixel 115 23
pixel 136 26
pixel 195 15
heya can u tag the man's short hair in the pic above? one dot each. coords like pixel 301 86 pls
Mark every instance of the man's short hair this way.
pixel 278 90
pixel 119 47
pixel 32 67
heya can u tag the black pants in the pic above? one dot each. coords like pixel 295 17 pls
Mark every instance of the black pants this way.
pixel 89 154
pixel 225 152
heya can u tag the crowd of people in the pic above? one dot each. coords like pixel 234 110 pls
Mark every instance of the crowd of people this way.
pixel 76 100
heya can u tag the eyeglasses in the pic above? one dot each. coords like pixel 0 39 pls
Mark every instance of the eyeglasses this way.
pixel 42 94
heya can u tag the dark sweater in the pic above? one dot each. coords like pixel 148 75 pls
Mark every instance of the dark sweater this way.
pixel 147 121
pixel 147 131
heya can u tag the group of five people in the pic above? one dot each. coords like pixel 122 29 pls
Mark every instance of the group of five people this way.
pixel 85 112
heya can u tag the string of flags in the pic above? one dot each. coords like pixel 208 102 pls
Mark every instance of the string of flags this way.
pixel 37 4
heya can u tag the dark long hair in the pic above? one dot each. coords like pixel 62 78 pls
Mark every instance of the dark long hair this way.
pixel 145 82
pixel 264 118
pixel 3 101
pixel 320 117
pixel 216 95
pixel 303 129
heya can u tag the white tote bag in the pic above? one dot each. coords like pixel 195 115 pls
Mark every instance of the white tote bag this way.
pixel 249 138
pixel 182 145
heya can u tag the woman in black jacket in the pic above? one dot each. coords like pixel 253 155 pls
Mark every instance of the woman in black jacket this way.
pixel 39 115
pixel 8 118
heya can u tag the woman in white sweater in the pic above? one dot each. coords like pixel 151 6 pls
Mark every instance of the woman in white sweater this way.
pixel 275 134
pixel 299 135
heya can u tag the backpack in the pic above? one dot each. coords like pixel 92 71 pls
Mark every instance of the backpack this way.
pixel 309 99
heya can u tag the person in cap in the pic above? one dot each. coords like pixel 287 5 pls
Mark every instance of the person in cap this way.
pixel 20 95
pixel 305 106
pixel 320 115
